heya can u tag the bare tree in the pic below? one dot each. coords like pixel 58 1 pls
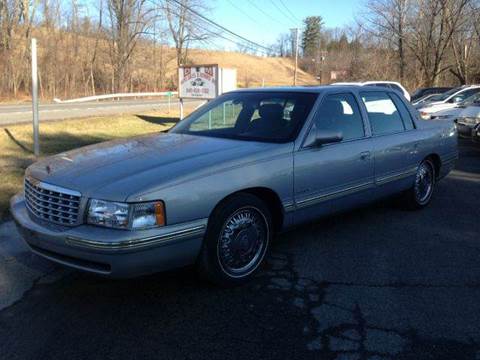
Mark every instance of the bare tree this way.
pixel 283 45
pixel 184 27
pixel 387 20
pixel 431 31
pixel 16 18
pixel 463 46
pixel 128 21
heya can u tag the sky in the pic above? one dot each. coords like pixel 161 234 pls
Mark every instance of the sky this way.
pixel 262 21
pixel 246 18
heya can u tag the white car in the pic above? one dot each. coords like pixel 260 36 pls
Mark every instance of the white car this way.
pixel 388 84
pixel 423 100
pixel 468 120
pixel 465 107
pixel 445 101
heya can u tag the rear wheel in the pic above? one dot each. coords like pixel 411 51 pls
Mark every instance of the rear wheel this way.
pixel 237 240
pixel 421 192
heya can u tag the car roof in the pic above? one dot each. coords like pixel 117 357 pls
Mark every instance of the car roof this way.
pixel 348 83
pixel 312 89
pixel 365 83
pixel 381 82
pixel 467 87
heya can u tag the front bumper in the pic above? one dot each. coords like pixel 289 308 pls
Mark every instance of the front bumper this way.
pixel 464 130
pixel 111 252
pixel 476 133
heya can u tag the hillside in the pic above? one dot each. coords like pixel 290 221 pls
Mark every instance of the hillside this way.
pixel 72 65
pixel 252 70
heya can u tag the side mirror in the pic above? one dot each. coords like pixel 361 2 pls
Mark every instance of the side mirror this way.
pixel 457 99
pixel 318 137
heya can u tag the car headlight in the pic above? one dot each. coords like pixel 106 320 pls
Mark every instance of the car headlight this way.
pixel 425 116
pixel 118 215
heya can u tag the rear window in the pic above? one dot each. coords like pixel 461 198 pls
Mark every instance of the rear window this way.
pixel 404 113
pixel 383 115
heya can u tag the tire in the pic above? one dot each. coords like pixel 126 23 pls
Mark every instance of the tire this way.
pixel 236 241
pixel 420 194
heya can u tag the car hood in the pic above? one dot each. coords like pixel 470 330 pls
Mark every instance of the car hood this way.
pixel 449 113
pixel 116 169
pixel 471 111
pixel 426 104
pixel 434 107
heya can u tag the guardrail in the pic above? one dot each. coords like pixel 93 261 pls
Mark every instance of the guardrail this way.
pixel 115 96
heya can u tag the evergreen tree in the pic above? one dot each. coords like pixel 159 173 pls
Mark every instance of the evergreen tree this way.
pixel 311 36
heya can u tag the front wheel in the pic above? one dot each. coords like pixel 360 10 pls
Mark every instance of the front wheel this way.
pixel 421 192
pixel 237 240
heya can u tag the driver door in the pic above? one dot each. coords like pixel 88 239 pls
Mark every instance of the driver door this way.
pixel 334 176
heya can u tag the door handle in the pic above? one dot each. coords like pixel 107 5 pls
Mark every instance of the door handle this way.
pixel 365 155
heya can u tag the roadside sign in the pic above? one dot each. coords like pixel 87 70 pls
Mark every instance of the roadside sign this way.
pixel 198 82
pixel 205 81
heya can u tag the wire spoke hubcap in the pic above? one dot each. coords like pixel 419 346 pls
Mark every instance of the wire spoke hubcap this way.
pixel 423 183
pixel 242 242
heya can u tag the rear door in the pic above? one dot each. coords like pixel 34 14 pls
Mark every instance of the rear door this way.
pixel 395 141
pixel 330 176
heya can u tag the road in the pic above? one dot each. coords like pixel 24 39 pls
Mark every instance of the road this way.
pixel 375 283
pixel 11 114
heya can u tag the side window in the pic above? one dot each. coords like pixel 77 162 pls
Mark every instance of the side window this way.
pixel 340 112
pixel 404 113
pixel 382 113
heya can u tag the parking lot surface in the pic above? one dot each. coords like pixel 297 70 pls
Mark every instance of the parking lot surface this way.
pixel 375 283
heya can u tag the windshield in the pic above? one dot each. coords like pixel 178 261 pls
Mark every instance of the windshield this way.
pixel 474 99
pixel 425 98
pixel 445 95
pixel 258 116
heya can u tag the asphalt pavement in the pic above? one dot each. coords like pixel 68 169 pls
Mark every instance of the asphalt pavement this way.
pixel 12 114
pixel 375 283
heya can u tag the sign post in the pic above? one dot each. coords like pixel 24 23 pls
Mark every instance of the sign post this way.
pixel 169 95
pixel 180 102
pixel 36 145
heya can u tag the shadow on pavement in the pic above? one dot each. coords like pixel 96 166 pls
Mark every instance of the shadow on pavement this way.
pixel 160 120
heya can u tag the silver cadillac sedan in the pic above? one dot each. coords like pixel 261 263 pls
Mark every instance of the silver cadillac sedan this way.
pixel 217 187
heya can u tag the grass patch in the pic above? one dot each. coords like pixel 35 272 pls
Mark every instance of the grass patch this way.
pixel 58 136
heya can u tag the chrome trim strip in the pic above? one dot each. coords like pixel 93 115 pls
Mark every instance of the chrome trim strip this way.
pixel 398 176
pixel 51 187
pixel 333 195
pixel 449 159
pixel 288 206
pixel 138 243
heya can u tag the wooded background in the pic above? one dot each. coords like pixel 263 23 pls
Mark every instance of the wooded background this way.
pixel 136 45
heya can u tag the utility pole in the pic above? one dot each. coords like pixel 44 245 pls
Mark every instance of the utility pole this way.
pixel 36 145
pixel 295 33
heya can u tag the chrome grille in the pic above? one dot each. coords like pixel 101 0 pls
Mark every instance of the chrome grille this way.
pixel 52 203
